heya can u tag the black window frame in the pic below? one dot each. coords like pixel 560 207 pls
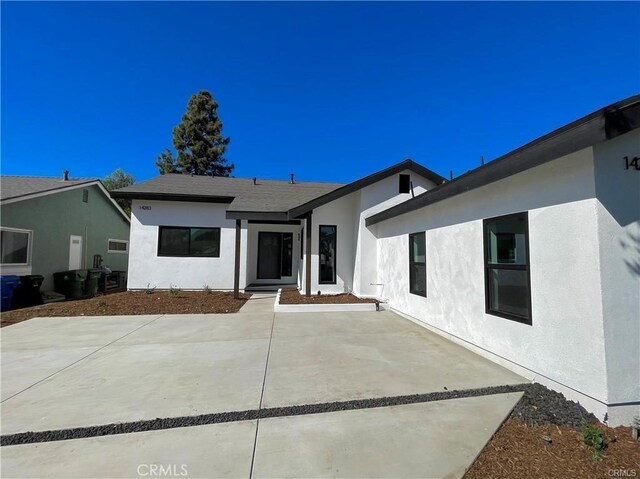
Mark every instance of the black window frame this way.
pixel 404 183
pixel 507 266
pixel 335 249
pixel 286 263
pixel 412 290
pixel 189 228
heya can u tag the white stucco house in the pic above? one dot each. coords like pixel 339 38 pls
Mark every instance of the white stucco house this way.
pixel 531 260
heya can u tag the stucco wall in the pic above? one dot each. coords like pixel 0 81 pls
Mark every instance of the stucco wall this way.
pixel 373 199
pixel 565 344
pixel 146 268
pixel 357 245
pixel 54 218
pixel 618 213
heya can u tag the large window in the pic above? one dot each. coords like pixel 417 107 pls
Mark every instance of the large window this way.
pixel 181 241
pixel 327 254
pixel 417 264
pixel 507 281
pixel 15 246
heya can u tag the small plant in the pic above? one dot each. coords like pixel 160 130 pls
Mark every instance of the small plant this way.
pixel 101 303
pixel 207 289
pixel 149 289
pixel 174 291
pixel 593 437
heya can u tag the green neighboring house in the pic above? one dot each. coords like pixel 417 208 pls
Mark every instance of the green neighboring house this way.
pixel 58 224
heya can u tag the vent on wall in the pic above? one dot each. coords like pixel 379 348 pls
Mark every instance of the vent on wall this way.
pixel 85 195
pixel 404 184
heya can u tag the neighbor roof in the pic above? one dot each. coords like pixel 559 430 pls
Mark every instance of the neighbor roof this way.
pixel 13 187
pixel 601 125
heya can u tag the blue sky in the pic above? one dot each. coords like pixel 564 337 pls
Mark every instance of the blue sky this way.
pixel 330 91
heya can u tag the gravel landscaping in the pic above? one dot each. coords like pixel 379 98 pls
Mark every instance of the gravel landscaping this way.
pixel 134 303
pixel 293 296
pixel 202 419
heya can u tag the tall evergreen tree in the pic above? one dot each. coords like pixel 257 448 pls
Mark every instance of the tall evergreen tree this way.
pixel 198 140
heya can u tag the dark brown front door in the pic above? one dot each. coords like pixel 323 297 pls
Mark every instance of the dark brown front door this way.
pixel 269 255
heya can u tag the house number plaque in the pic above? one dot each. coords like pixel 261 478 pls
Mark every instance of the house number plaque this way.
pixel 632 164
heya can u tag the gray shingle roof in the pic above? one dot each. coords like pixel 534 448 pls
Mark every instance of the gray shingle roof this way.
pixel 17 186
pixel 244 196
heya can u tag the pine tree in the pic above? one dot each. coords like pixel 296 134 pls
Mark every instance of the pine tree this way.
pixel 198 141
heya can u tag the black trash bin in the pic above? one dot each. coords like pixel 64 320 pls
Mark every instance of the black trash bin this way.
pixel 30 286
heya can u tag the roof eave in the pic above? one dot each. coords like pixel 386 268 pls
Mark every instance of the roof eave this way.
pixel 408 164
pixel 602 125
pixel 131 195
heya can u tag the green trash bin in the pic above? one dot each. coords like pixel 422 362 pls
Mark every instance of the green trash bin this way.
pixel 91 283
pixel 70 283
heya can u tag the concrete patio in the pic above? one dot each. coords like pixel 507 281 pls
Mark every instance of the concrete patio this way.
pixel 63 373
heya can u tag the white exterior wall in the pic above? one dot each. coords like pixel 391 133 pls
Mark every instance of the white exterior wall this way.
pixel 564 347
pixel 356 244
pixel 146 268
pixel 618 210
pixel 373 199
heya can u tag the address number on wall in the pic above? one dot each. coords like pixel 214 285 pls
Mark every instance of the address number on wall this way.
pixel 632 164
pixel 144 207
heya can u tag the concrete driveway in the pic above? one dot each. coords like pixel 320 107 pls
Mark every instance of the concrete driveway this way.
pixel 74 373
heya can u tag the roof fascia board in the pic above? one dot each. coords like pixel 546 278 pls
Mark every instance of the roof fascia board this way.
pixel 171 197
pixel 601 125
pixel 257 215
pixel 298 211
pixel 522 159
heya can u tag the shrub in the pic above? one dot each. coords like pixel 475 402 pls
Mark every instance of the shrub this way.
pixel 101 303
pixel 149 290
pixel 174 291
pixel 593 437
pixel 207 289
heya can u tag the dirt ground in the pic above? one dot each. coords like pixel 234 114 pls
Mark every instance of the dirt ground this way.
pixel 293 296
pixel 134 302
pixel 519 450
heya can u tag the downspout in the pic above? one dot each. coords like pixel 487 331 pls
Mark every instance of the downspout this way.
pixel 86 247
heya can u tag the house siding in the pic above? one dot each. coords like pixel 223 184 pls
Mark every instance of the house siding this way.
pixel 55 217
pixel 566 335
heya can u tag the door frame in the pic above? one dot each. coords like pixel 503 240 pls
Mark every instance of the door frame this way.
pixel 279 235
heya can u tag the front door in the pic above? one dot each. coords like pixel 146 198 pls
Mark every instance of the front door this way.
pixel 75 252
pixel 269 255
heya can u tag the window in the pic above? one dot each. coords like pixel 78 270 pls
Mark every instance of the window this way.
pixel 404 184
pixel 15 246
pixel 507 279
pixel 417 264
pixel 287 254
pixel 85 195
pixel 327 254
pixel 117 246
pixel 182 241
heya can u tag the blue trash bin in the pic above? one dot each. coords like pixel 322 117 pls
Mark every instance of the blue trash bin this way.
pixel 7 286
